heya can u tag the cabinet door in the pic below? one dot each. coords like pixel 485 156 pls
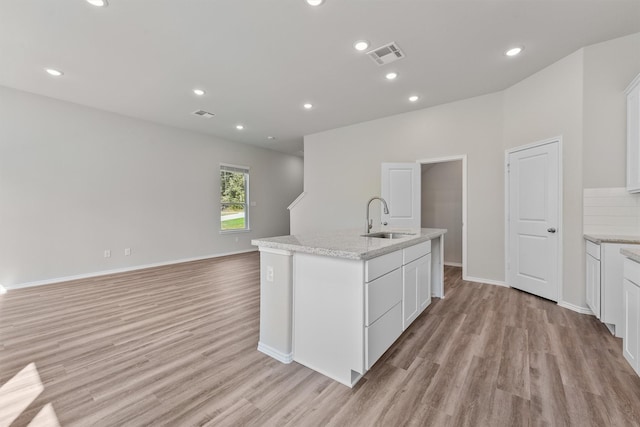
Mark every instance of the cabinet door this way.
pixel 593 284
pixel 424 289
pixel 414 276
pixel 381 334
pixel 633 136
pixel 631 308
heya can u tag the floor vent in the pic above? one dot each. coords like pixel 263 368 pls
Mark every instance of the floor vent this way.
pixel 386 54
pixel 203 113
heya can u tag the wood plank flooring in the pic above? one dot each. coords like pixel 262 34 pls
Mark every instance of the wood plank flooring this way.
pixel 176 346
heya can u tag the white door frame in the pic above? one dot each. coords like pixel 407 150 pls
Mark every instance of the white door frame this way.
pixel 462 157
pixel 554 140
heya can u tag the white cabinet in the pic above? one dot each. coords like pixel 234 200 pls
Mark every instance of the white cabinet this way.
pixel 382 333
pixel 383 305
pixel 411 276
pixel 347 313
pixel 593 277
pixel 416 282
pixel 424 289
pixel 604 270
pixel 631 314
pixel 633 135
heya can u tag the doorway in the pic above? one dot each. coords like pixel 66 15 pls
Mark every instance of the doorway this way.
pixel 444 204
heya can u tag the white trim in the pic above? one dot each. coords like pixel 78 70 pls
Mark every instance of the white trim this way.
pixel 276 354
pixel 297 200
pixel 453 264
pixel 576 308
pixel 275 251
pixel 485 281
pixel 558 140
pixel 230 165
pixel 122 270
pixel 233 231
pixel 454 158
pixel 635 81
pixel 3 290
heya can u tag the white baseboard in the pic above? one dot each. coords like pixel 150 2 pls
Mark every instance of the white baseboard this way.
pixel 486 281
pixel 276 354
pixel 453 264
pixel 576 308
pixel 121 270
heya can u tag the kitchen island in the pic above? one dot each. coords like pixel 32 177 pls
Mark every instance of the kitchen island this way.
pixel 336 301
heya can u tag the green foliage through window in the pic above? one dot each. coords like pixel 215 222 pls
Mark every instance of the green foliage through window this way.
pixel 234 184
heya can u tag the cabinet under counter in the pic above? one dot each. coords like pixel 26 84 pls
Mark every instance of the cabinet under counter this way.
pixel 348 308
pixel 603 277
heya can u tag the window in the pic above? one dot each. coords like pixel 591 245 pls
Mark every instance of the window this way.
pixel 234 198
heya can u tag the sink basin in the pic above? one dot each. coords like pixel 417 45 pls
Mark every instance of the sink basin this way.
pixel 388 235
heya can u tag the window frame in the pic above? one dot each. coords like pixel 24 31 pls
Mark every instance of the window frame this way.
pixel 246 170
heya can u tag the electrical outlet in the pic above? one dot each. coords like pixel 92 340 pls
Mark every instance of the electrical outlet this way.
pixel 107 253
pixel 127 251
pixel 237 239
pixel 269 273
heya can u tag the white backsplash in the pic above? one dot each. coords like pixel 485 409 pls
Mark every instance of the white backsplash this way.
pixel 611 211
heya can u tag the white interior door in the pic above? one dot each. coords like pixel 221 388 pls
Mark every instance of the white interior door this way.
pixel 533 217
pixel 401 190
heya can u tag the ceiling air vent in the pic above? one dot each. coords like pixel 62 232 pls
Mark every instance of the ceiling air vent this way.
pixel 203 113
pixel 386 54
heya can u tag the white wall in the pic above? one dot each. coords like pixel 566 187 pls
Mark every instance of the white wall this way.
pixel 342 170
pixel 441 205
pixel 578 98
pixel 75 181
pixel 612 211
pixel 608 68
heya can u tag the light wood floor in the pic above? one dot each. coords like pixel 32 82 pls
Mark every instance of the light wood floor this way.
pixel 177 346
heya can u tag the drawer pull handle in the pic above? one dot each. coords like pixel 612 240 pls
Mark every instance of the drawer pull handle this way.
pixel 551 230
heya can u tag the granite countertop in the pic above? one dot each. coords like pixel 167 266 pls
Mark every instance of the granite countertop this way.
pixel 613 238
pixel 633 254
pixel 348 244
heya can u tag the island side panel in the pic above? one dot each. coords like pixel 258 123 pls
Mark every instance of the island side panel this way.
pixel 276 304
pixel 328 311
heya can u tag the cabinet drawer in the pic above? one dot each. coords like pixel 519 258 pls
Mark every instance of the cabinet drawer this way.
pixel 632 271
pixel 382 294
pixel 382 333
pixel 414 252
pixel 381 265
pixel 593 249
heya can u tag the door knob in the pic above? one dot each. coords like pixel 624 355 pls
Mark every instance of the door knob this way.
pixel 551 230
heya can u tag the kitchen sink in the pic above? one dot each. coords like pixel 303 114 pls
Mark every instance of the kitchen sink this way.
pixel 388 235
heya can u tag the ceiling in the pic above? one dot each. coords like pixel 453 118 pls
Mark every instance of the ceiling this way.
pixel 259 61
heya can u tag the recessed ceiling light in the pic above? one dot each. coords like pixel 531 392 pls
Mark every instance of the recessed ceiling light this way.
pixel 53 72
pixel 271 138
pixel 361 45
pixel 239 127
pixel 513 51
pixel 98 3
pixel 414 98
pixel 308 106
pixel 391 76
pixel 199 92
pixel 315 2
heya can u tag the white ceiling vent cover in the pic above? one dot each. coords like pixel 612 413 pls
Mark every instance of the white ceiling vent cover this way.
pixel 386 54
pixel 203 113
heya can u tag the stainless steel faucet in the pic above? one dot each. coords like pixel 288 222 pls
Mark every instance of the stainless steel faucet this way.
pixel 369 224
